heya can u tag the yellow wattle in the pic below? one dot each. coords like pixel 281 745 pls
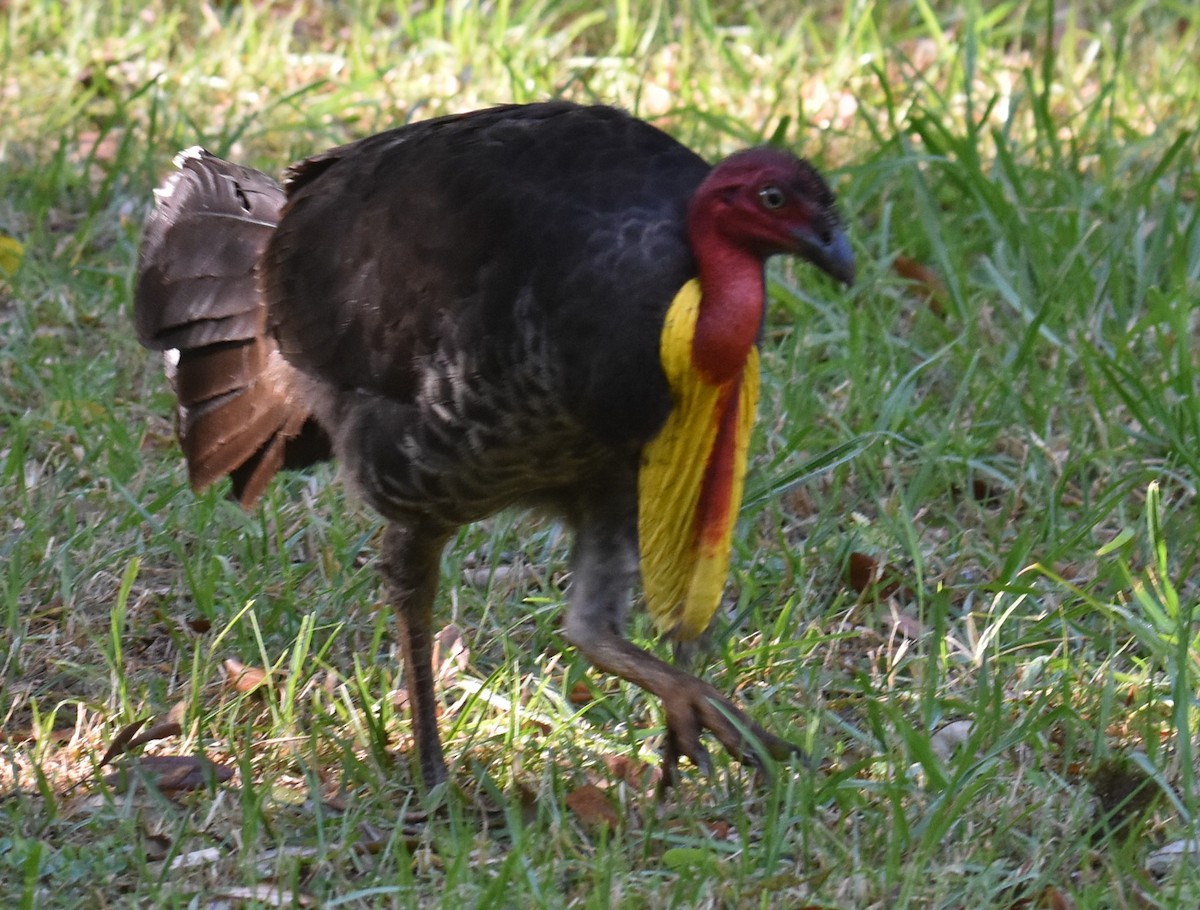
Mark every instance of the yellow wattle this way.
pixel 690 483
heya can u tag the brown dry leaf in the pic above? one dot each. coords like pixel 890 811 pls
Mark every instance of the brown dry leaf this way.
pixel 720 829
pixel 861 571
pixel 450 654
pixel 17 736
pixel 636 774
pixel 242 678
pixel 161 730
pixel 128 737
pixel 1056 899
pixel 1050 899
pixel 580 694
pixel 592 807
pixel 120 743
pixel 171 773
pixel 864 573
pixel 987 493
pixel 927 284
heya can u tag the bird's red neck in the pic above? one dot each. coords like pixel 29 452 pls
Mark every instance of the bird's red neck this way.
pixel 731 306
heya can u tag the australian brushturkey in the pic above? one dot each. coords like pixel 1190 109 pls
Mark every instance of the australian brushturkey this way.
pixel 544 305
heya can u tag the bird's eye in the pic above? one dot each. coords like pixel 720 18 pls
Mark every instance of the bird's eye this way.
pixel 771 197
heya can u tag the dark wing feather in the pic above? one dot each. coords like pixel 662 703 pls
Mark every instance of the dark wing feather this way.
pixel 566 219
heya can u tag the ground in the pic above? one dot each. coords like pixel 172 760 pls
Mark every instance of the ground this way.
pixel 965 574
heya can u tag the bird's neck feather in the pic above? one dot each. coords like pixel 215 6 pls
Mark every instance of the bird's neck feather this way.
pixel 731 304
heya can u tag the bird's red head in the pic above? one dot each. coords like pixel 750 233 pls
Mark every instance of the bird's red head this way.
pixel 765 201
pixel 752 205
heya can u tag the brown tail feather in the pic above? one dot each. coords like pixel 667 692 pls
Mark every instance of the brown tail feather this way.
pixel 198 300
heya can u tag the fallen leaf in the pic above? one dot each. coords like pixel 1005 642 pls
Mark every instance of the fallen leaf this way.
pixel 580 694
pixel 12 251
pixel 120 743
pixel 1170 856
pixel 204 857
pixel 987 493
pixel 1056 899
pixel 636 774
pixel 450 654
pixel 927 284
pixel 242 678
pixel 1050 898
pixel 861 571
pixel 908 626
pixel 593 807
pixel 171 773
pixel 162 730
pixel 865 573
pixel 128 738
pixel 720 829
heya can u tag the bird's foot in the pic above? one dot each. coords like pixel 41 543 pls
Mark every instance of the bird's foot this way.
pixel 695 707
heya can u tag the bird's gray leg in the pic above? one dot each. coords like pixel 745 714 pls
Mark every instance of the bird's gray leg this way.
pixel 410 565
pixel 605 566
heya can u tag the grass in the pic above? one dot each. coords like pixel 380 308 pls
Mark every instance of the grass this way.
pixel 997 430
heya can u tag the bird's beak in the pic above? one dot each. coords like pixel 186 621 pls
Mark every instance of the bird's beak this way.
pixel 832 256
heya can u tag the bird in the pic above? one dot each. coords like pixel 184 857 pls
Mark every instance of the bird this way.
pixel 550 306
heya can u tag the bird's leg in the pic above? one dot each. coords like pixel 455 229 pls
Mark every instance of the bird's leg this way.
pixel 605 562
pixel 410 565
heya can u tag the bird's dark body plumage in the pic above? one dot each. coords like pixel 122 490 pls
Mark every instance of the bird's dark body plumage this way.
pixel 509 264
pixel 468 312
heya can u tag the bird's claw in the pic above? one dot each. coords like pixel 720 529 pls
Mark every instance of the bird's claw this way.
pixel 698 708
